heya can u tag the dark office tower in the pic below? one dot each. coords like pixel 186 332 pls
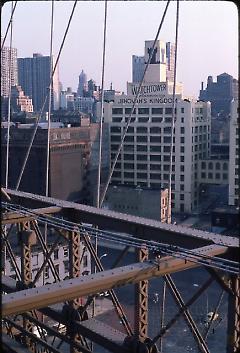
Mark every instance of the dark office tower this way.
pixel 170 57
pixel 34 78
pixel 8 62
pixel 220 94
pixel 82 85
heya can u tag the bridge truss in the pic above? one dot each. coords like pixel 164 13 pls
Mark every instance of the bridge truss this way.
pixel 161 250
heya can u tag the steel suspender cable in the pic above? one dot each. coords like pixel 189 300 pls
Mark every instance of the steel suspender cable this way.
pixel 49 102
pixel 173 119
pixel 102 100
pixel 133 107
pixel 9 23
pixel 39 116
pixel 10 74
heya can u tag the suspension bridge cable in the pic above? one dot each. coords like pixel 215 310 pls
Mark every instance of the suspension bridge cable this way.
pixel 10 74
pixel 173 119
pixel 49 100
pixel 102 100
pixel 133 107
pixel 39 116
pixel 9 24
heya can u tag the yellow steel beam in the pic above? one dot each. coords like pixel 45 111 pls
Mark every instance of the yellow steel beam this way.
pixel 16 217
pixel 34 298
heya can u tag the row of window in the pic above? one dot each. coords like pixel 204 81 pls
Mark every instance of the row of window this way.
pixel 144 111
pixel 210 165
pixel 155 176
pixel 217 175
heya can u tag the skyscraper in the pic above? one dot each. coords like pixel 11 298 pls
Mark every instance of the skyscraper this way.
pixel 8 61
pixel 34 78
pixel 82 85
pixel 138 65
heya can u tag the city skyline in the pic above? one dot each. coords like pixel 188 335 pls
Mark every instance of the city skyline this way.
pixel 208 37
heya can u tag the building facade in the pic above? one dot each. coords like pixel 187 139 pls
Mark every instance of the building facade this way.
pixel 141 202
pixel 34 78
pixel 145 157
pixel 20 102
pixel 234 155
pixel 9 70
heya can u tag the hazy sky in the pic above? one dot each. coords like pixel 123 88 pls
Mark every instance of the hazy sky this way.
pixel 208 37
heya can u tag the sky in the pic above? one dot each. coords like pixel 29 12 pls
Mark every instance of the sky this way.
pixel 208 37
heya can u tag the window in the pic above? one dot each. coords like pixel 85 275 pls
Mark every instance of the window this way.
pixel 182 177
pixel 156 119
pixel 167 130
pixel 210 175
pixel 182 119
pixel 116 129
pixel 181 158
pixel 128 138
pixel 155 158
pixel 182 187
pixel 128 157
pixel 55 254
pixel 116 174
pixel 155 166
pixel 128 165
pixel 155 148
pixel 117 111
pixel 116 138
pixel 85 261
pixel 225 176
pixel 225 166
pixel 65 252
pixel 217 175
pixel 142 175
pixel 157 110
pixel 182 197
pixel 210 165
pixel 167 139
pixel 66 266
pixel 168 110
pixel 182 149
pixel 142 166
pixel 116 120
pixel 155 130
pixel 182 110
pixel 143 120
pixel 155 176
pixel 182 168
pixel 128 111
pixel 166 158
pixel 130 130
pixel 142 148
pixel 182 130
pixel 129 175
pixel 142 130
pixel 155 139
pixel 166 167
pixel 143 110
pixel 141 138
pixel 142 157
pixel 203 175
pixel 182 140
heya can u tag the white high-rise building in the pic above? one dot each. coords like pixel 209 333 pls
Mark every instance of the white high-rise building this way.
pixel 145 157
pixel 156 71
pixel 234 155
pixel 8 63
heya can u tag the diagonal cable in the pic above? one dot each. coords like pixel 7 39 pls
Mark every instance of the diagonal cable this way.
pixel 173 119
pixel 9 23
pixel 133 107
pixel 39 116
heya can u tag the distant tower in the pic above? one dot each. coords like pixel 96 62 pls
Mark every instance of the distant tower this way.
pixel 82 86
pixel 8 54
pixel 170 58
pixel 138 65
